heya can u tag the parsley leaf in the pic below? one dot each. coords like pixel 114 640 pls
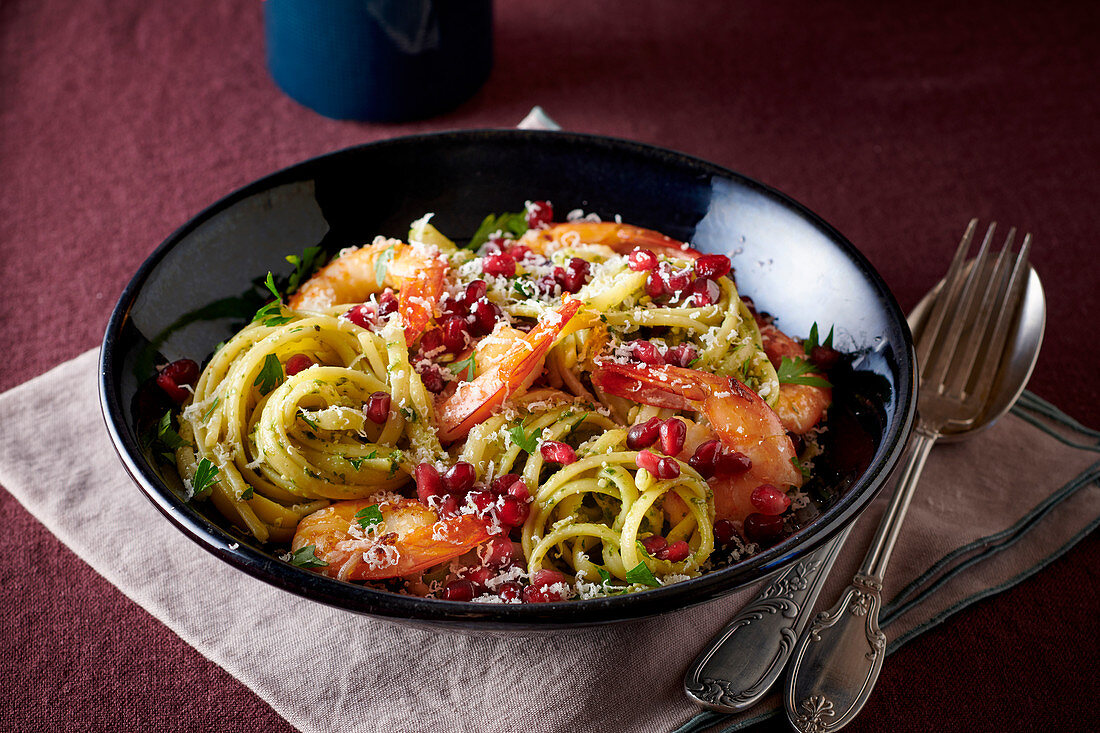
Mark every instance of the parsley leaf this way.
pixel 369 516
pixel 269 283
pixel 380 266
pixel 205 477
pixel 794 371
pixel 168 437
pixel 466 365
pixel 303 267
pixel 270 376
pixel 605 577
pixel 640 573
pixel 527 442
pixel 515 224
pixel 307 558
pixel 356 463
pixel 272 314
pixel 525 288
pixel 811 341
pixel 307 421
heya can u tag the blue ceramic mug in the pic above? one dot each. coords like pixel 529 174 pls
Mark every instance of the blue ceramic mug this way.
pixel 379 60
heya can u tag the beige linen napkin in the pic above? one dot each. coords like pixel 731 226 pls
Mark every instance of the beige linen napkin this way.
pixel 328 670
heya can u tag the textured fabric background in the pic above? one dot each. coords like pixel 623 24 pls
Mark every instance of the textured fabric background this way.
pixel 896 122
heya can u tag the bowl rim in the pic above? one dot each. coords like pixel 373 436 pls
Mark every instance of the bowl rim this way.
pixel 362 599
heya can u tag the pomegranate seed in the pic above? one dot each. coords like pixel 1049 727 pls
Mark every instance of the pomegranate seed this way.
pixel 361 315
pixel 449 504
pixel 539 591
pixel 712 267
pixel 654 544
pixel 478 576
pixel 655 285
pixel 647 352
pixel 643 434
pixel 454 308
pixel 428 482
pixel 681 355
pixel 677 281
pixel 485 316
pixel 474 292
pixel 704 292
pixel 824 358
pixel 459 590
pixel 547 284
pixel 297 363
pixel 495 245
pixel 642 259
pixel 454 334
pixel 501 265
pixel 519 252
pixel 498 551
pixel 431 340
pixel 387 303
pixel 667 468
pixel 673 433
pixel 724 531
pixel 572 279
pixel 459 478
pixel 520 491
pixel 648 461
pixel 481 500
pixel 510 592
pixel 432 379
pixel 769 500
pixel 731 462
pixel 580 266
pixel 539 214
pixel 763 529
pixel 703 458
pixel 378 407
pixel 556 452
pixel 173 376
pixel 512 512
pixel 501 484
pixel 675 552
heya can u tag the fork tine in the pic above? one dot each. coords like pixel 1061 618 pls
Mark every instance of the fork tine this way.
pixel 951 284
pixel 996 288
pixel 934 374
pixel 1014 294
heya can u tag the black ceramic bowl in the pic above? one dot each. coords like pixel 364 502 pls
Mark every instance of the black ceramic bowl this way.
pixel 789 261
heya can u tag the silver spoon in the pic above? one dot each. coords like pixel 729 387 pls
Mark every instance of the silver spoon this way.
pixel 749 654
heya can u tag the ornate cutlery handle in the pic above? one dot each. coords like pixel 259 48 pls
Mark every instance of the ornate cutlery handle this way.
pixel 750 653
pixel 838 659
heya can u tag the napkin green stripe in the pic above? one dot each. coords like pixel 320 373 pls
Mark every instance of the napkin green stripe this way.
pixel 994 544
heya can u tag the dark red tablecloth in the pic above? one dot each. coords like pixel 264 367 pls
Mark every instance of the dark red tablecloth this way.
pixel 119 119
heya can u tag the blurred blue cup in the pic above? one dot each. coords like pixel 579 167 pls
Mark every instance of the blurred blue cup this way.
pixel 379 60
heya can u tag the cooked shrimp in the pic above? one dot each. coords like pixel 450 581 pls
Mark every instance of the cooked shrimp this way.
pixel 800 406
pixel 620 238
pixel 476 400
pixel 410 537
pixel 738 416
pixel 416 272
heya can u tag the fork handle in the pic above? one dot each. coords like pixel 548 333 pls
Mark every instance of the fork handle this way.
pixel 838 659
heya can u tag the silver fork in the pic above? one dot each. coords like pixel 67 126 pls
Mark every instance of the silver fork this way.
pixel 838 659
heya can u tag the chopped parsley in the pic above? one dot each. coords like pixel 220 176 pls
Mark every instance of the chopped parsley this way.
pixel 270 376
pixel 272 314
pixel 605 577
pixel 356 463
pixel 369 516
pixel 311 423
pixel 811 341
pixel 641 573
pixel 525 288
pixel 466 365
pixel 408 413
pixel 380 266
pixel 210 410
pixel 167 436
pixel 527 442
pixel 205 477
pixel 307 558
pixel 515 224
pixel 797 371
pixel 800 467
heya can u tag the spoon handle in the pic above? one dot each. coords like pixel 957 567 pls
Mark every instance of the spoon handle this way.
pixel 837 661
pixel 749 654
